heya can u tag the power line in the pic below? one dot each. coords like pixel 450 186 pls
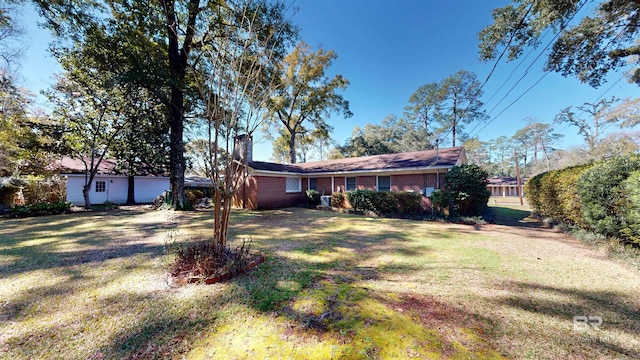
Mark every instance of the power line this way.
pixel 525 73
pixel 524 17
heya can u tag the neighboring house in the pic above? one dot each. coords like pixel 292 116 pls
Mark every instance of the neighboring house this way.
pixel 506 186
pixel 272 185
pixel 109 184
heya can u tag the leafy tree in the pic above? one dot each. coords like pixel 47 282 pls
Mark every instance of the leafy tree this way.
pixel 158 46
pixel 394 135
pixel 599 118
pixel 317 138
pixel 423 107
pixel 460 104
pixel 596 45
pixel 143 145
pixel 12 44
pixel 628 112
pixel 90 118
pixel 305 95
pixel 503 155
pixel 543 139
pixel 200 156
pixel 477 153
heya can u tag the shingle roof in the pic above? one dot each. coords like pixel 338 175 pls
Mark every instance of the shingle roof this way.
pixel 446 157
pixel 506 181
pixel 69 165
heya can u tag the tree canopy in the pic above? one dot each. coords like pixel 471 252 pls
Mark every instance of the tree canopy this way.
pixel 305 96
pixel 158 45
pixel 603 41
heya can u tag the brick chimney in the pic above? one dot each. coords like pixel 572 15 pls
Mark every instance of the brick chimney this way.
pixel 243 147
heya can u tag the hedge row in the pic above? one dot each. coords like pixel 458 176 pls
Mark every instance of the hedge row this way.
pixel 386 202
pixel 39 209
pixel 603 197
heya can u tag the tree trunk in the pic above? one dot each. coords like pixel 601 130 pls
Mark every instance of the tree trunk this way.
pixel 178 65
pixel 176 156
pixel 85 195
pixel 131 190
pixel 292 147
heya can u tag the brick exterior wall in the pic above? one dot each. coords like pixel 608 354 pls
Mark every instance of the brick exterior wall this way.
pixel 265 192
pixel 415 182
pixel 272 193
pixel 324 185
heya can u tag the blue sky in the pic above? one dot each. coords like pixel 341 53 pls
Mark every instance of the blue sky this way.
pixel 387 49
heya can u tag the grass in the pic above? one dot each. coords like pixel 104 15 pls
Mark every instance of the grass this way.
pixel 94 286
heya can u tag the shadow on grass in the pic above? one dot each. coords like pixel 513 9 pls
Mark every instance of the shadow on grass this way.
pixel 48 242
pixel 512 217
pixel 316 277
pixel 617 311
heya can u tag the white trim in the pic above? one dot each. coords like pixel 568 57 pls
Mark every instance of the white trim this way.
pixel 333 185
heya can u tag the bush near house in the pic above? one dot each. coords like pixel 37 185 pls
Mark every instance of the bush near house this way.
pixel 337 199
pixel 9 188
pixel 385 202
pixel 40 209
pixel 313 198
pixel 466 186
pixel 603 197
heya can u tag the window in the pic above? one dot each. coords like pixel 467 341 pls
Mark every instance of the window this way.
pixel 313 184
pixel 101 186
pixel 384 183
pixel 350 183
pixel 294 184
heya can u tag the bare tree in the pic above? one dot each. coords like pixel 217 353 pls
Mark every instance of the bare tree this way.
pixel 234 84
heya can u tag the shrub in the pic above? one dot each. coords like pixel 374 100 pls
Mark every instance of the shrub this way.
pixel 38 209
pixel 360 200
pixel 631 187
pixel 408 202
pixel 313 198
pixel 532 192
pixel 555 194
pixel 440 200
pixel 467 187
pixel 604 200
pixel 570 205
pixel 337 199
pixel 386 202
pixel 193 195
pixel 38 190
pixel 9 188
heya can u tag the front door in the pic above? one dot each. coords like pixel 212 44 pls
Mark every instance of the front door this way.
pixel 100 193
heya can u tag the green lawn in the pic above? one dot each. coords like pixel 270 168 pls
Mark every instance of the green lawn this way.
pixel 95 286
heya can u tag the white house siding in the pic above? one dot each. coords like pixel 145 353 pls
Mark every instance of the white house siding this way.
pixel 146 189
pixel 74 189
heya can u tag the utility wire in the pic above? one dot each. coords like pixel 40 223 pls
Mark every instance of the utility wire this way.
pixel 562 27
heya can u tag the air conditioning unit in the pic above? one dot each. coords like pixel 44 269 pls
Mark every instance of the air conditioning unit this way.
pixel 325 201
